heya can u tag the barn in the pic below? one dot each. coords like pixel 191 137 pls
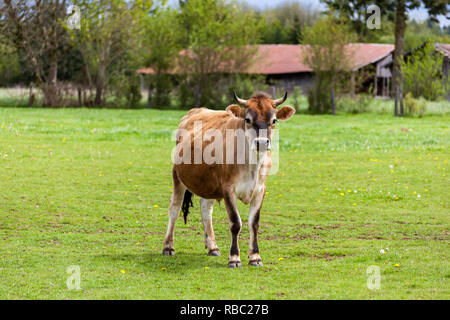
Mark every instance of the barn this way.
pixel 284 67
pixel 444 48
pixel 283 64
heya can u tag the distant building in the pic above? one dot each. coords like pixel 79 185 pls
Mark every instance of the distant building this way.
pixel 444 48
pixel 283 65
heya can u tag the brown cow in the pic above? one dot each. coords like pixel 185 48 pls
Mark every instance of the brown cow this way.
pixel 204 171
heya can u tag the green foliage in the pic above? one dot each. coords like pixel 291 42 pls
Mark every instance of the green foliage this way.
pixel 355 105
pixel 125 91
pixel 296 97
pixel 422 74
pixel 161 45
pixel 414 107
pixel 275 33
pixel 285 22
pixel 163 85
pixel 355 11
pixel 133 93
pixel 10 68
pixel 216 35
pixel 108 39
pixel 326 55
pixel 245 86
pixel 418 33
pixel 319 94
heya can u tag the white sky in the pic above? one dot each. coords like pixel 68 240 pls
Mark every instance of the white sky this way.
pixel 418 14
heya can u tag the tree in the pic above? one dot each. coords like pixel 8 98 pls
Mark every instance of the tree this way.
pixel 397 11
pixel 434 8
pixel 355 11
pixel 418 33
pixel 110 32
pixel 36 29
pixel 216 35
pixel 327 56
pixel 422 73
pixel 295 31
pixel 10 69
pixel 284 22
pixel 161 45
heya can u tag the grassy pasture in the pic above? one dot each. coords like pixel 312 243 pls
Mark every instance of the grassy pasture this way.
pixel 91 188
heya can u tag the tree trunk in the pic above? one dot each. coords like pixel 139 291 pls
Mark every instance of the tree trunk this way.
pixel 99 86
pixel 333 102
pixel 80 101
pixel 149 97
pixel 31 97
pixel 375 87
pixel 50 89
pixel 400 28
pixel 352 84
pixel 396 102
pixel 197 96
pixel 149 94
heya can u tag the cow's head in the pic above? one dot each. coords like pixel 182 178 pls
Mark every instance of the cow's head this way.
pixel 260 115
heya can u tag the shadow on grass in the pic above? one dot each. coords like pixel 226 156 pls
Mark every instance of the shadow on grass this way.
pixel 157 261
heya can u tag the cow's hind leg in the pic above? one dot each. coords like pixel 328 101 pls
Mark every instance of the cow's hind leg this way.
pixel 206 206
pixel 235 228
pixel 175 206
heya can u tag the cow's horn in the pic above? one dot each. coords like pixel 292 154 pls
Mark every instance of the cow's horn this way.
pixel 281 100
pixel 239 100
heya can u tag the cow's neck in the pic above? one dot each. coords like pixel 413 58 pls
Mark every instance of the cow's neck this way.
pixel 252 179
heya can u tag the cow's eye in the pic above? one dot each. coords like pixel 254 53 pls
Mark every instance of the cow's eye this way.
pixel 248 120
pixel 274 121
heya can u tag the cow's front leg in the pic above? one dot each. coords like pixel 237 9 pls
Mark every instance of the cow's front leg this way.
pixel 235 228
pixel 253 226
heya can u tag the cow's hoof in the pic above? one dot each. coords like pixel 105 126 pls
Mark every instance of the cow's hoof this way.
pixel 168 252
pixel 256 263
pixel 234 264
pixel 214 252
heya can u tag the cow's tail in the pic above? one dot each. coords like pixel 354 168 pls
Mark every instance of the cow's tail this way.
pixel 187 202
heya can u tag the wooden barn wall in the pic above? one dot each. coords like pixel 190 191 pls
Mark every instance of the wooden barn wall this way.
pixel 290 80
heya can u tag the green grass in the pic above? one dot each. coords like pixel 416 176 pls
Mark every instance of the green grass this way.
pixel 91 188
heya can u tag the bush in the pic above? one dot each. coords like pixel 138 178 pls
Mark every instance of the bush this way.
pixel 124 91
pixel 319 95
pixel 414 107
pixel 422 74
pixel 245 87
pixel 358 104
pixel 162 87
pixel 296 98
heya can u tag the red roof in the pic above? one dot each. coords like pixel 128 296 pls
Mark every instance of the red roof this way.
pixel 364 54
pixel 288 58
pixel 278 59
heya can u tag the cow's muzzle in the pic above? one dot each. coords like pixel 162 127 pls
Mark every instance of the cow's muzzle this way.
pixel 261 144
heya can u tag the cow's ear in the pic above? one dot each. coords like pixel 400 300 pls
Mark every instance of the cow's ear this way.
pixel 235 110
pixel 285 113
